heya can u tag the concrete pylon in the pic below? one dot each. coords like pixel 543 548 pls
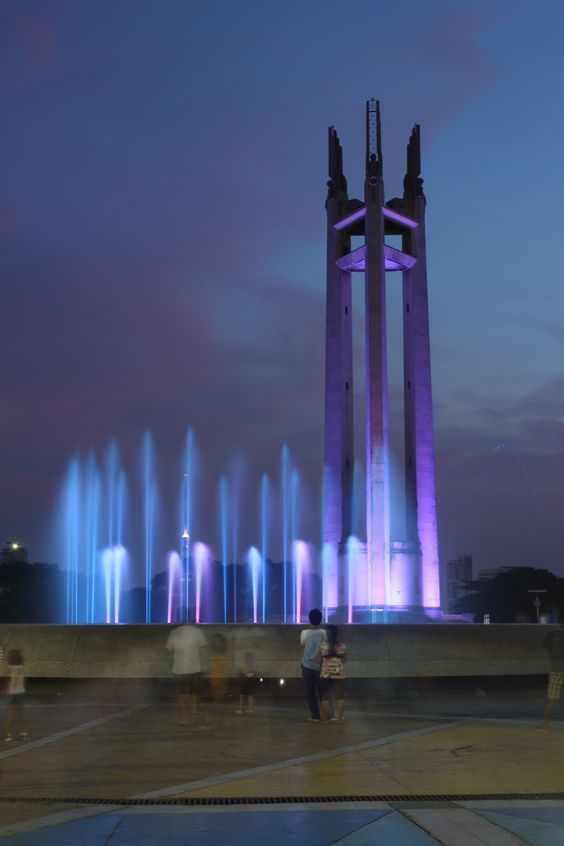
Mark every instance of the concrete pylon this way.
pixel 377 449
pixel 339 454
pixel 402 575
pixel 421 509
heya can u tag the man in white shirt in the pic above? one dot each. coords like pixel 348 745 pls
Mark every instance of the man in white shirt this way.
pixel 311 639
pixel 189 658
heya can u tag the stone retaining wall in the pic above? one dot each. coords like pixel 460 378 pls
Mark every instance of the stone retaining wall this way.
pixel 375 651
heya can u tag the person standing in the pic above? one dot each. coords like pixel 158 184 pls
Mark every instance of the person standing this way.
pixel 554 651
pixel 247 683
pixel 16 695
pixel 333 655
pixel 311 639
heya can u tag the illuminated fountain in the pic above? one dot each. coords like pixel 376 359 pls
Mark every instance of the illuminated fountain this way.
pixel 122 566
pixel 120 569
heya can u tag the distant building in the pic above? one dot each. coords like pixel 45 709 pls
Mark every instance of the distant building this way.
pixel 13 551
pixel 459 572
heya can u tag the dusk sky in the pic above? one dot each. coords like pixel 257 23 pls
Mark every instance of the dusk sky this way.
pixel 162 247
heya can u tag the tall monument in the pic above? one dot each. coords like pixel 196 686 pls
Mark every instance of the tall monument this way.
pixel 391 574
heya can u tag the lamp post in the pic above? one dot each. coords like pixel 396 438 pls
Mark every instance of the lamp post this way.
pixel 536 600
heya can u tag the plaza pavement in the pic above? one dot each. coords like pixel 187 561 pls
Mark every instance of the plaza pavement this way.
pixel 442 769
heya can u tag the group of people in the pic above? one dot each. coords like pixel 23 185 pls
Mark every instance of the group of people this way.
pixel 323 670
pixel 194 660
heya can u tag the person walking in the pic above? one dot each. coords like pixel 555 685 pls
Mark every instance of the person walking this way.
pixel 311 639
pixel 217 677
pixel 333 655
pixel 247 683
pixel 189 659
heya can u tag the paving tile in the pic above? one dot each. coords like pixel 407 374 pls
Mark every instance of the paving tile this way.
pixel 536 832
pixel 284 828
pixel 532 812
pixel 462 827
pixel 330 827
pixel 90 832
pixel 315 828
pixel 478 757
pixel 392 830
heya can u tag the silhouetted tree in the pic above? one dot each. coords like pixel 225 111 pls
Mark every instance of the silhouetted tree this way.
pixel 505 596
pixel 31 593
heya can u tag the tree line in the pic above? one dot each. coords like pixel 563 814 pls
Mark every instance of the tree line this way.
pixel 506 596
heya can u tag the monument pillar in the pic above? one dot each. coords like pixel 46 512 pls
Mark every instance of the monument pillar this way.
pixel 339 454
pixel 421 509
pixel 377 459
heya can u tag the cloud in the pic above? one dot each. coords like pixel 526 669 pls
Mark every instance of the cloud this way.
pixel 34 39
pixel 455 65
pixel 10 217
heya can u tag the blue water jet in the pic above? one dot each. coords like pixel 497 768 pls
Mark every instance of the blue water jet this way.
pixel 264 521
pixel 149 515
pixel 223 532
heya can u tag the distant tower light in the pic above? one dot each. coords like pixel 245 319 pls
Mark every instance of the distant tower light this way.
pixel 13 551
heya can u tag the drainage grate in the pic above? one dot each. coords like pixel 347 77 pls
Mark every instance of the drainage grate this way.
pixel 207 801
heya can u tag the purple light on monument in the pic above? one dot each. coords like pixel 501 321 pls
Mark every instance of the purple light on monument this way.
pixel 390 214
pixel 398 217
pixel 223 522
pixel 351 218
pixel 430 568
pixel 294 501
pixel 353 553
pixel 284 472
pixel 395 259
pixel 329 569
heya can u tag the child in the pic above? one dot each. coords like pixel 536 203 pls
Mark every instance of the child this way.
pixel 16 694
